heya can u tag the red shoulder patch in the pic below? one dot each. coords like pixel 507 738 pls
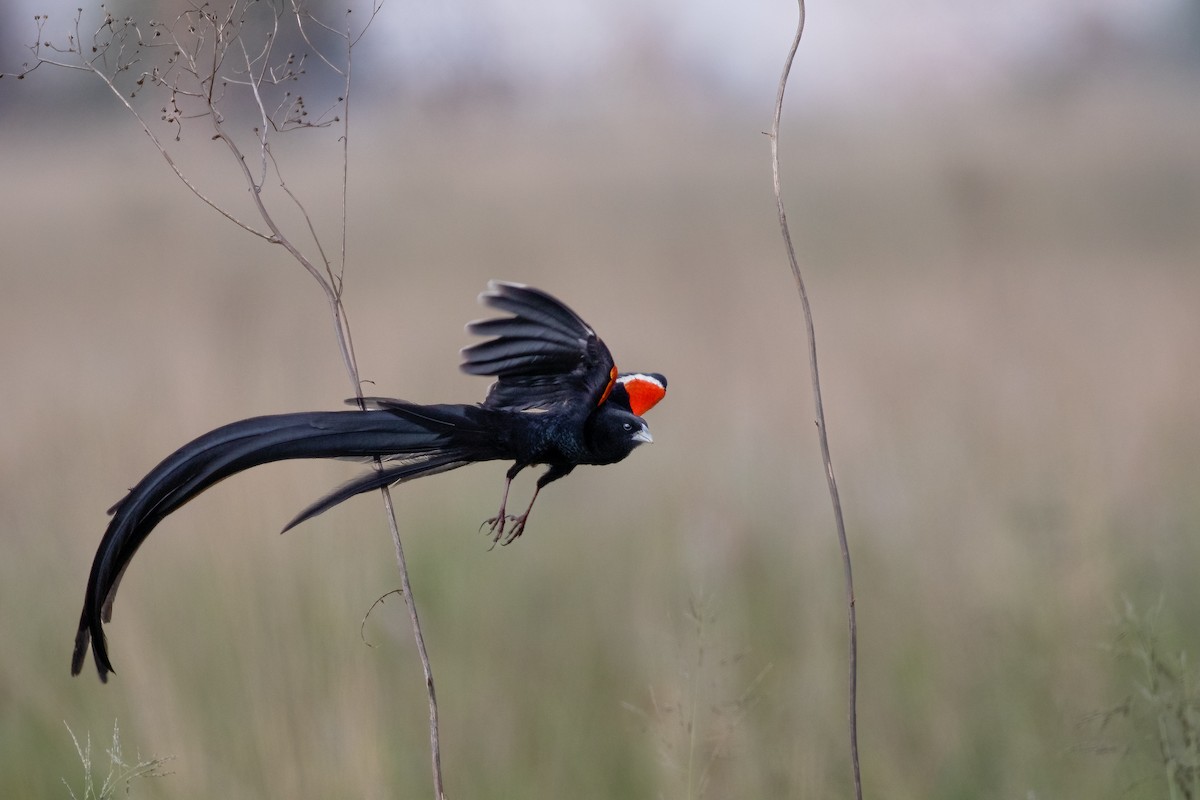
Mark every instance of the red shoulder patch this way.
pixel 644 391
pixel 612 381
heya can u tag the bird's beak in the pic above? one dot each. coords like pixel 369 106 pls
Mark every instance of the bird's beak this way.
pixel 643 435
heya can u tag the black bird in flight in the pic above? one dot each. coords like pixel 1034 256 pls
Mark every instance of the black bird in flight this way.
pixel 558 400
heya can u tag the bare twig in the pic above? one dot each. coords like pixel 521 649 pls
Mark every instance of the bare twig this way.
pixel 822 434
pixel 90 65
pixel 335 284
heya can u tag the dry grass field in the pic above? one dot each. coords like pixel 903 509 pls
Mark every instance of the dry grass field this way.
pixel 1007 303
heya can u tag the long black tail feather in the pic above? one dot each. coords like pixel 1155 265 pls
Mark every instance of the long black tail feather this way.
pixel 425 440
pixel 387 476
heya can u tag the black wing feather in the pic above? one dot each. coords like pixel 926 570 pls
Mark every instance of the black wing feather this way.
pixel 512 355
pixel 513 326
pixel 534 304
pixel 544 356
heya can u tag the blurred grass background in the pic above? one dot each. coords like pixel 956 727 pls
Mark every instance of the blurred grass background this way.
pixel 1006 298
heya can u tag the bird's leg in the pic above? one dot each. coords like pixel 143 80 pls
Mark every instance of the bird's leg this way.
pixel 518 522
pixel 497 522
pixel 554 473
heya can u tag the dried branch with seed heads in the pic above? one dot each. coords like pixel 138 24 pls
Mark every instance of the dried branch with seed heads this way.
pixel 201 65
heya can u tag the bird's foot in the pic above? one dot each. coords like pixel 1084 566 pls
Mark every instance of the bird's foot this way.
pixel 514 533
pixel 500 531
pixel 497 525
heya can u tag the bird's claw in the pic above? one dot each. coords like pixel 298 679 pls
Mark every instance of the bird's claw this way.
pixel 516 530
pixel 496 524
pixel 499 530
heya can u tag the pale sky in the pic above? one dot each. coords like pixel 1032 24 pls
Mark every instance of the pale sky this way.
pixel 854 45
pixel 852 48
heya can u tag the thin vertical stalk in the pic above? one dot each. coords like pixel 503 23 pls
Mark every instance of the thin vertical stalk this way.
pixel 822 434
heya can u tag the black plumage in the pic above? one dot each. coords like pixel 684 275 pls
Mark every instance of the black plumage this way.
pixel 553 403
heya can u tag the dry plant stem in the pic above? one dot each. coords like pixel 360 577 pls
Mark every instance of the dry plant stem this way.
pixel 332 286
pixel 435 750
pixel 773 135
pixel 329 281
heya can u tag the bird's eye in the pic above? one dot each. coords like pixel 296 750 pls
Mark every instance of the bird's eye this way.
pixel 628 426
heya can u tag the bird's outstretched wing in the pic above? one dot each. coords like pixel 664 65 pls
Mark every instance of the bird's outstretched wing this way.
pixel 544 356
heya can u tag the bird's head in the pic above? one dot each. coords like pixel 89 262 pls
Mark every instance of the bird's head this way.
pixel 615 432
